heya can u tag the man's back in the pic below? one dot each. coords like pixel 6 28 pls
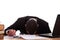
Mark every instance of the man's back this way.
pixel 20 25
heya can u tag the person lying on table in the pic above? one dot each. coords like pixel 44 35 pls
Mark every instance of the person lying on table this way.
pixel 28 25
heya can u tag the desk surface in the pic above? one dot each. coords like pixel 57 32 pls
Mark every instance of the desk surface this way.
pixel 2 37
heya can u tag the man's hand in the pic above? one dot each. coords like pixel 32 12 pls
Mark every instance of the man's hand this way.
pixel 11 32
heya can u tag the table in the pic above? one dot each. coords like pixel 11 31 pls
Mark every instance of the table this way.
pixel 2 37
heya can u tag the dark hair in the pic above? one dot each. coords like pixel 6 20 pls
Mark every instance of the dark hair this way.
pixel 31 26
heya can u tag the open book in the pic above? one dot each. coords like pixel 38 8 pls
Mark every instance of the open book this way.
pixel 1 32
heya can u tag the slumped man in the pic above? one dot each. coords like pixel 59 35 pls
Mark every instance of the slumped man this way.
pixel 28 25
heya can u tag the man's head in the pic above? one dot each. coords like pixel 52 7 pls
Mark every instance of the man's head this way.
pixel 31 25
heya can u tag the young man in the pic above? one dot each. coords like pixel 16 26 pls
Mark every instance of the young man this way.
pixel 28 25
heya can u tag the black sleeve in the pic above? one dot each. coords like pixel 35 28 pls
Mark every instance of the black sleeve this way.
pixel 43 27
pixel 14 25
pixel 46 28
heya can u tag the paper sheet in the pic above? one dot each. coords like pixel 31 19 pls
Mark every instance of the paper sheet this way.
pixel 27 37
pixel 31 37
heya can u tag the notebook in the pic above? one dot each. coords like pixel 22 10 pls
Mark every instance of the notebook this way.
pixel 56 30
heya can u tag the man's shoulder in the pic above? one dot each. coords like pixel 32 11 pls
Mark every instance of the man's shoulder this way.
pixel 38 19
pixel 27 17
pixel 31 16
pixel 22 17
pixel 42 20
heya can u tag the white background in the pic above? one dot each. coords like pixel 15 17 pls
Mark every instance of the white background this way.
pixel 11 10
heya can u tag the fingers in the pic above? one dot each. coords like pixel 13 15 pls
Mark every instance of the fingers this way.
pixel 11 32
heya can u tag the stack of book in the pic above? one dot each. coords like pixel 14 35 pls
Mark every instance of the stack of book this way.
pixel 1 31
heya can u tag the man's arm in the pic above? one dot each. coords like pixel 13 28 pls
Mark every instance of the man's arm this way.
pixel 43 26
pixel 47 28
pixel 14 26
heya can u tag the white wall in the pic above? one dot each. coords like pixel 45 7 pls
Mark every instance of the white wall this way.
pixel 11 10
